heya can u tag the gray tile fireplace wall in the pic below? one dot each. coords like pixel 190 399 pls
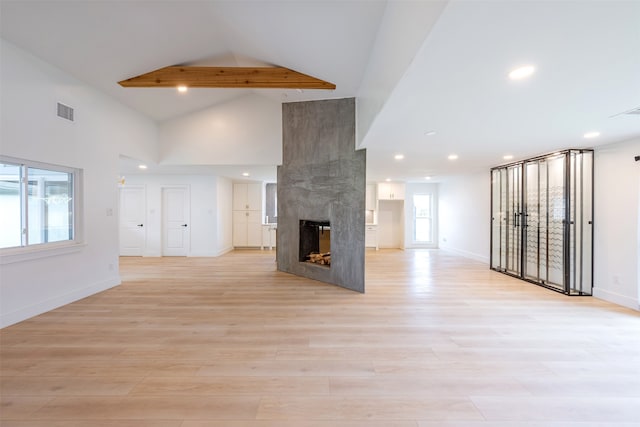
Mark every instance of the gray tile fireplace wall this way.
pixel 322 178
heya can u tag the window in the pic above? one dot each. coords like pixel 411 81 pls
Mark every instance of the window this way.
pixel 422 218
pixel 38 203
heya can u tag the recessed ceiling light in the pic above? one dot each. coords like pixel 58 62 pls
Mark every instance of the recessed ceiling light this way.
pixel 522 72
pixel 427 177
pixel 507 157
pixel 452 156
pixel 388 179
pixel 142 166
pixel 245 173
pixel 431 133
pixel 399 156
pixel 182 89
pixel 591 134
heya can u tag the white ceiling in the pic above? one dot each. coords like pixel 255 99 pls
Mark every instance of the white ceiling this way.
pixel 587 56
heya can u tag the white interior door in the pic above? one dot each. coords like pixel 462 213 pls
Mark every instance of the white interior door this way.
pixel 132 220
pixel 175 221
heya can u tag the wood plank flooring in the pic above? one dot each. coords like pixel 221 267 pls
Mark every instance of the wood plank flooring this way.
pixel 437 340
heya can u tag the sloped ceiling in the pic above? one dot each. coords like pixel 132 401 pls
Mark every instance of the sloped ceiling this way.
pixel 415 67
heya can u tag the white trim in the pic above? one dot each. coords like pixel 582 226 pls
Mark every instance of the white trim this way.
pixel 615 298
pixel 7 319
pixel 467 254
pixel 223 251
pixel 77 182
pixel 28 253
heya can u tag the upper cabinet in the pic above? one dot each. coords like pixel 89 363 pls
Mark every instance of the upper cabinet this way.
pixel 247 197
pixel 390 191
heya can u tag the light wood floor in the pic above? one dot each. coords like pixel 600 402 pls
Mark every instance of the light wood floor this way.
pixel 437 340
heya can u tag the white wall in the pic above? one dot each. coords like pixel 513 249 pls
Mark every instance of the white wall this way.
pixel 616 219
pixel 410 190
pixel 226 134
pixel 30 129
pixel 224 226
pixel 464 215
pixel 210 212
pixel 403 30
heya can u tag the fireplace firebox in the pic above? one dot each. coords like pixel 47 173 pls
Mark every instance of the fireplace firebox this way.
pixel 315 242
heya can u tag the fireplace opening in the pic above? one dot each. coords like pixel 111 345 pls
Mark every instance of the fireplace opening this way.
pixel 315 242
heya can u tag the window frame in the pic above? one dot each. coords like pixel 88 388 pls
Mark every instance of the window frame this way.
pixel 431 218
pixel 28 251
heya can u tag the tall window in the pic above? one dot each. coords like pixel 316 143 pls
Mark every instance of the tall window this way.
pixel 37 203
pixel 422 218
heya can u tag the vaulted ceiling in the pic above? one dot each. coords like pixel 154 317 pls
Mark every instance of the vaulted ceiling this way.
pixel 415 66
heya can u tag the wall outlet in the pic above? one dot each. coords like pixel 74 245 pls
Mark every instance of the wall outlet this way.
pixel 109 212
pixel 110 267
pixel 616 280
pixel 444 239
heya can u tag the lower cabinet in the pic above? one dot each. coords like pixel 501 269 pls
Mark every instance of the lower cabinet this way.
pixel 269 236
pixel 247 229
pixel 371 236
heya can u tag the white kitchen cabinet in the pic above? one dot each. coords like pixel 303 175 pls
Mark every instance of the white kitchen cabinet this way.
pixel 268 236
pixel 247 197
pixel 371 236
pixel 247 228
pixel 390 191
pixel 247 214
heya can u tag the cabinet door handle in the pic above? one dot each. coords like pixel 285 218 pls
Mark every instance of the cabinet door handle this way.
pixel 140 225
pixel 184 225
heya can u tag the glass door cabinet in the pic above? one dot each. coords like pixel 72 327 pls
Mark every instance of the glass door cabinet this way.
pixel 542 221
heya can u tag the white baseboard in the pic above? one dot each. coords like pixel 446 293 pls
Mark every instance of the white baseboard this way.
pixel 467 254
pixel 224 251
pixel 615 298
pixel 7 319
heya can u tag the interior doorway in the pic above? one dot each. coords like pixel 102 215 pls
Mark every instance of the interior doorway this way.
pixel 132 230
pixel 175 221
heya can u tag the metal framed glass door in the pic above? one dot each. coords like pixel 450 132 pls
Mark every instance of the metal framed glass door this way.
pixel 506 219
pixel 513 219
pixel 542 220
pixel 544 198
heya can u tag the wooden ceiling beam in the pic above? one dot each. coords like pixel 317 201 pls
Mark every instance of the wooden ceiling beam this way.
pixel 227 77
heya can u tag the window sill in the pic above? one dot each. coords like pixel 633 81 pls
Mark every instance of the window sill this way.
pixel 13 255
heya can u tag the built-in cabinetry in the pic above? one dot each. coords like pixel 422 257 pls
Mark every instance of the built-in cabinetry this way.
pixel 247 228
pixel 247 197
pixel 390 191
pixel 384 204
pixel 247 214
pixel 542 220
pixel 269 236
pixel 371 236
pixel 390 215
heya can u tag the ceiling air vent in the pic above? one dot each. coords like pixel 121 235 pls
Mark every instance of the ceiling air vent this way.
pixel 65 112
